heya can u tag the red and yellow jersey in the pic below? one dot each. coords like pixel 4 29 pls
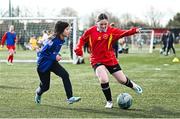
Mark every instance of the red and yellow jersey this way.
pixel 100 43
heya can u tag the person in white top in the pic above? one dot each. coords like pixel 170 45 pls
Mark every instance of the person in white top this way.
pixel 45 37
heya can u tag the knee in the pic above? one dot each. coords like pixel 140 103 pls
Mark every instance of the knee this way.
pixel 103 80
pixel 65 75
pixel 11 52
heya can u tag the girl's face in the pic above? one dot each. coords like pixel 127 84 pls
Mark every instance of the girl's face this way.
pixel 66 32
pixel 11 28
pixel 102 25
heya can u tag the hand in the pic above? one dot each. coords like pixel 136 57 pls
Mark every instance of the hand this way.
pixel 138 30
pixel 2 46
pixel 78 51
pixel 16 41
pixel 58 57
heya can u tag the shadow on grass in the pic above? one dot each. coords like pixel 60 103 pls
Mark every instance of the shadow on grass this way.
pixel 162 111
pixel 157 112
pixel 9 87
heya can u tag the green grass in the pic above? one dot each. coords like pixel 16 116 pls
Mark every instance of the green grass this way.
pixel 160 99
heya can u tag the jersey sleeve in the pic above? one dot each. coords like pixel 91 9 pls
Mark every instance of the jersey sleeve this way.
pixel 4 38
pixel 83 39
pixel 119 33
pixel 49 51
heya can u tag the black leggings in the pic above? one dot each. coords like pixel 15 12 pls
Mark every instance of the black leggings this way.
pixel 169 47
pixel 59 71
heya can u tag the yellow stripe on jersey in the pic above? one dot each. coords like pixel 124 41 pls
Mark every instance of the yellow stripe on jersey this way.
pixel 90 41
pixel 109 42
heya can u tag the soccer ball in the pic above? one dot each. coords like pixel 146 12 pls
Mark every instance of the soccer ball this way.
pixel 124 100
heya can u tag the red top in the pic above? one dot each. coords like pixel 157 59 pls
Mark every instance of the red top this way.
pixel 100 44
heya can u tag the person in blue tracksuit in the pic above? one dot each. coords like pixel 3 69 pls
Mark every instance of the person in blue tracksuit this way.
pixel 47 62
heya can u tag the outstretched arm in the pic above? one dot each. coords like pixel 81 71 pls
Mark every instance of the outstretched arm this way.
pixel 118 33
pixel 129 32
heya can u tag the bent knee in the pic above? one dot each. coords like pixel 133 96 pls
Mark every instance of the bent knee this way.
pixel 64 75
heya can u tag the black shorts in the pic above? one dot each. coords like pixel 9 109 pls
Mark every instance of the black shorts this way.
pixel 111 69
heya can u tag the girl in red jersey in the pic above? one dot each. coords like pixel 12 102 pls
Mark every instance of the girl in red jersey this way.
pixel 10 38
pixel 100 38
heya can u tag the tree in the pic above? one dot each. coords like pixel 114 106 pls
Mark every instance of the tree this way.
pixel 154 17
pixel 136 23
pixel 92 20
pixel 126 20
pixel 175 22
pixel 39 13
pixel 68 12
pixel 15 11
pixel 115 19
pixel 3 13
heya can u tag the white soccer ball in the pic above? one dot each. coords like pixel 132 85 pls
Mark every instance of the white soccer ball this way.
pixel 124 100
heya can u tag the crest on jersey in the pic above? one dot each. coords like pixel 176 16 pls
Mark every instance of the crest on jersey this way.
pixel 105 36
pixel 99 38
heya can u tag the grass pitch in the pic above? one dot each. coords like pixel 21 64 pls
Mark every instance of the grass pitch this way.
pixel 156 73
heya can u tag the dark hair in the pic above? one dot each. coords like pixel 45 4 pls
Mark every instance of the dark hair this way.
pixel 112 24
pixel 59 27
pixel 45 31
pixel 102 16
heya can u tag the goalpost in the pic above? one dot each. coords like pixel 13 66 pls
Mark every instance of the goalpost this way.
pixel 142 42
pixel 26 27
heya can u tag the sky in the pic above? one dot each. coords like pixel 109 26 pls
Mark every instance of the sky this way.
pixel 137 8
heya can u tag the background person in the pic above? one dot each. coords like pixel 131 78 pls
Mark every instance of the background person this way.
pixel 170 41
pixel 11 39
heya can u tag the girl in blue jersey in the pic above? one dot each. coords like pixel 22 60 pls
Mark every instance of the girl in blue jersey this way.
pixel 48 62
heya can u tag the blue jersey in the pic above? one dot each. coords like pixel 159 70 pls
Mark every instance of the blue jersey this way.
pixel 10 38
pixel 48 53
